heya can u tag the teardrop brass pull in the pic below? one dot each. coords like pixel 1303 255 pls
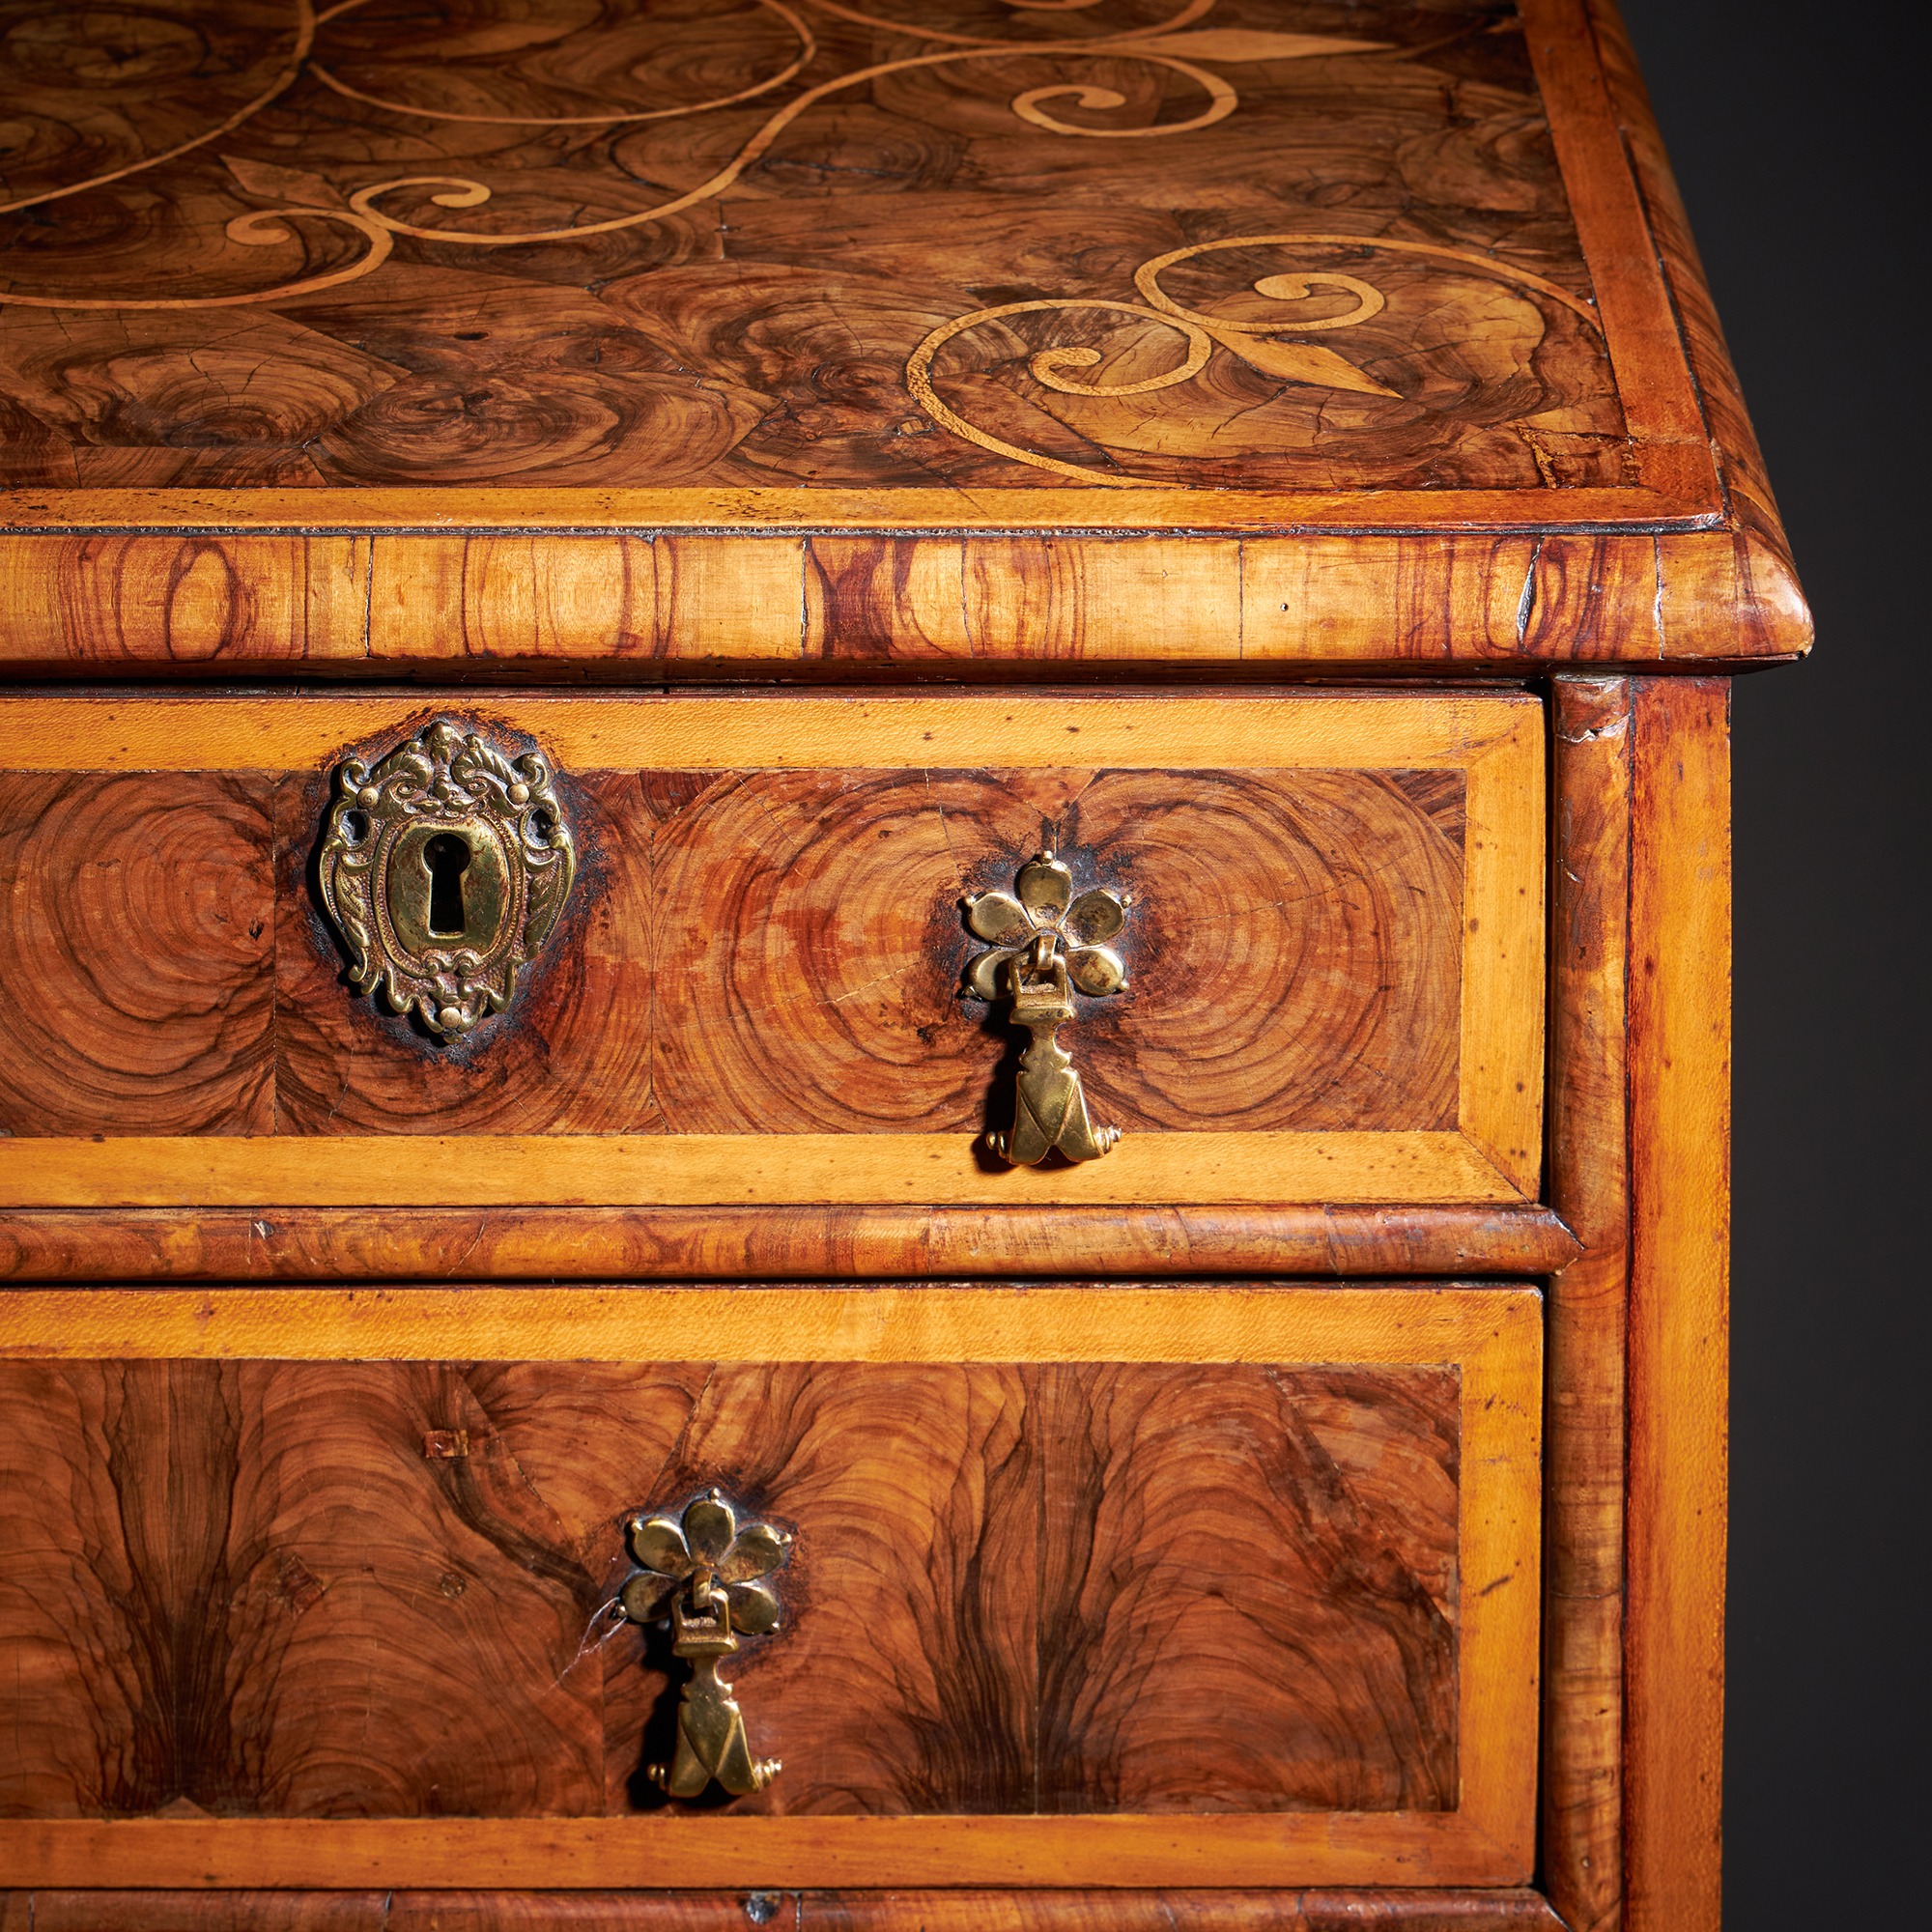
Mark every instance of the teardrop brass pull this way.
pixel 1045 945
pixel 444 869
pixel 705 1572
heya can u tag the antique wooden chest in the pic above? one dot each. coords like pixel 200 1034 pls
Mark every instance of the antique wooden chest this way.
pixel 864 925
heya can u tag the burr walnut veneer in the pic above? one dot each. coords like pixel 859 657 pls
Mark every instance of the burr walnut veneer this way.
pixel 884 848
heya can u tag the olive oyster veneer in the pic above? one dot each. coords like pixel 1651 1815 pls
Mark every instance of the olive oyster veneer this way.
pixel 864 898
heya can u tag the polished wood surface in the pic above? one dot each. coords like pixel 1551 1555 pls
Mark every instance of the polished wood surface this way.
pixel 1680 1045
pixel 781 1171
pixel 1415 1911
pixel 1008 1598
pixel 138 930
pixel 953 257
pixel 587 369
pixel 780 954
pixel 757 1243
pixel 620 608
pixel 884 1323
pixel 1037 1911
pixel 1336 964
pixel 1427 1849
pixel 930 291
pixel 1589 1117
pixel 116 1911
pixel 1456 728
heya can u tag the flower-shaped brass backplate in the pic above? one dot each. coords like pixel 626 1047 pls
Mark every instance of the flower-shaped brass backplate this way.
pixel 709 1550
pixel 704 1571
pixel 1043 904
pixel 1045 945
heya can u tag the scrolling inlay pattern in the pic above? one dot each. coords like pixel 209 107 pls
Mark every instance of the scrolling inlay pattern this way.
pixel 598 243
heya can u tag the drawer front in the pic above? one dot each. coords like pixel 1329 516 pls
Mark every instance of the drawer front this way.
pixel 742 982
pixel 1066 1568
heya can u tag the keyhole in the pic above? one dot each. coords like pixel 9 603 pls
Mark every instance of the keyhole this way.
pixel 447 857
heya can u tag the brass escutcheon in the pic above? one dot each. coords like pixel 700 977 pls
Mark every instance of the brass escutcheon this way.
pixel 1045 946
pixel 705 1573
pixel 445 868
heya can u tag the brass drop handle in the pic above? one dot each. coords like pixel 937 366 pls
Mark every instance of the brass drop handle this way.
pixel 1045 946
pixel 705 1572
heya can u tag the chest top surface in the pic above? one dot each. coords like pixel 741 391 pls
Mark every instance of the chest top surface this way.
pixel 1186 267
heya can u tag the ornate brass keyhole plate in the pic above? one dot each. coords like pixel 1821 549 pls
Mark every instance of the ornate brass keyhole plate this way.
pixel 705 1572
pixel 445 868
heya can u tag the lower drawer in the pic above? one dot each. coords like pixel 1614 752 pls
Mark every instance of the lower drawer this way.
pixel 1083 1586
pixel 777 953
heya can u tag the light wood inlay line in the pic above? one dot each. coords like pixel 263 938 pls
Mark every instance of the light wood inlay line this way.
pixel 1485 1327
pixel 923 511
pixel 592 732
pixel 694 1170
pixel 1290 1849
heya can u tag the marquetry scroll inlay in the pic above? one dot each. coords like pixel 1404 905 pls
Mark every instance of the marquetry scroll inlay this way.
pixel 1256 341
pixel 372 210
pixel 948 242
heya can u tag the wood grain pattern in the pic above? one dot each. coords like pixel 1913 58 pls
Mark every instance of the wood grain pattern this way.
pixel 750 1244
pixel 541 1485
pixel 1160 1572
pixel 702 600
pixel 727 443
pixel 1582 1734
pixel 1490 1330
pixel 589 605
pixel 244 1543
pixel 137 928
pixel 163 603
pixel 1416 1910
pixel 1631 303
pixel 922 176
pixel 207 1911
pixel 780 357
pixel 1454 730
pixel 1297 948
pixel 780 1171
pixel 1424 1849
pixel 1679 1304
pixel 753 995
pixel 594 1912
pixel 906 1682
pixel 1038 1911
pixel 1053 598
pixel 248 1537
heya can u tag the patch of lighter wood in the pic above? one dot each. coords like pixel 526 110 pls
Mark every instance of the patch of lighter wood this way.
pixel 726 1170
pixel 632 731
pixel 1499 1085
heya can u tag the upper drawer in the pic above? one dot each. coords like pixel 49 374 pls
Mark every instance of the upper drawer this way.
pixel 747 924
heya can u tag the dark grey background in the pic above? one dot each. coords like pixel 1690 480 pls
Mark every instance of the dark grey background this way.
pixel 1800 138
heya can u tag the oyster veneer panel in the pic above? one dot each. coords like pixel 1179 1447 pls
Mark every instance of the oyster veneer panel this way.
pixel 359 1590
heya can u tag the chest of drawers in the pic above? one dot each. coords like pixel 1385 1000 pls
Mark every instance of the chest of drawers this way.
pixel 863 910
